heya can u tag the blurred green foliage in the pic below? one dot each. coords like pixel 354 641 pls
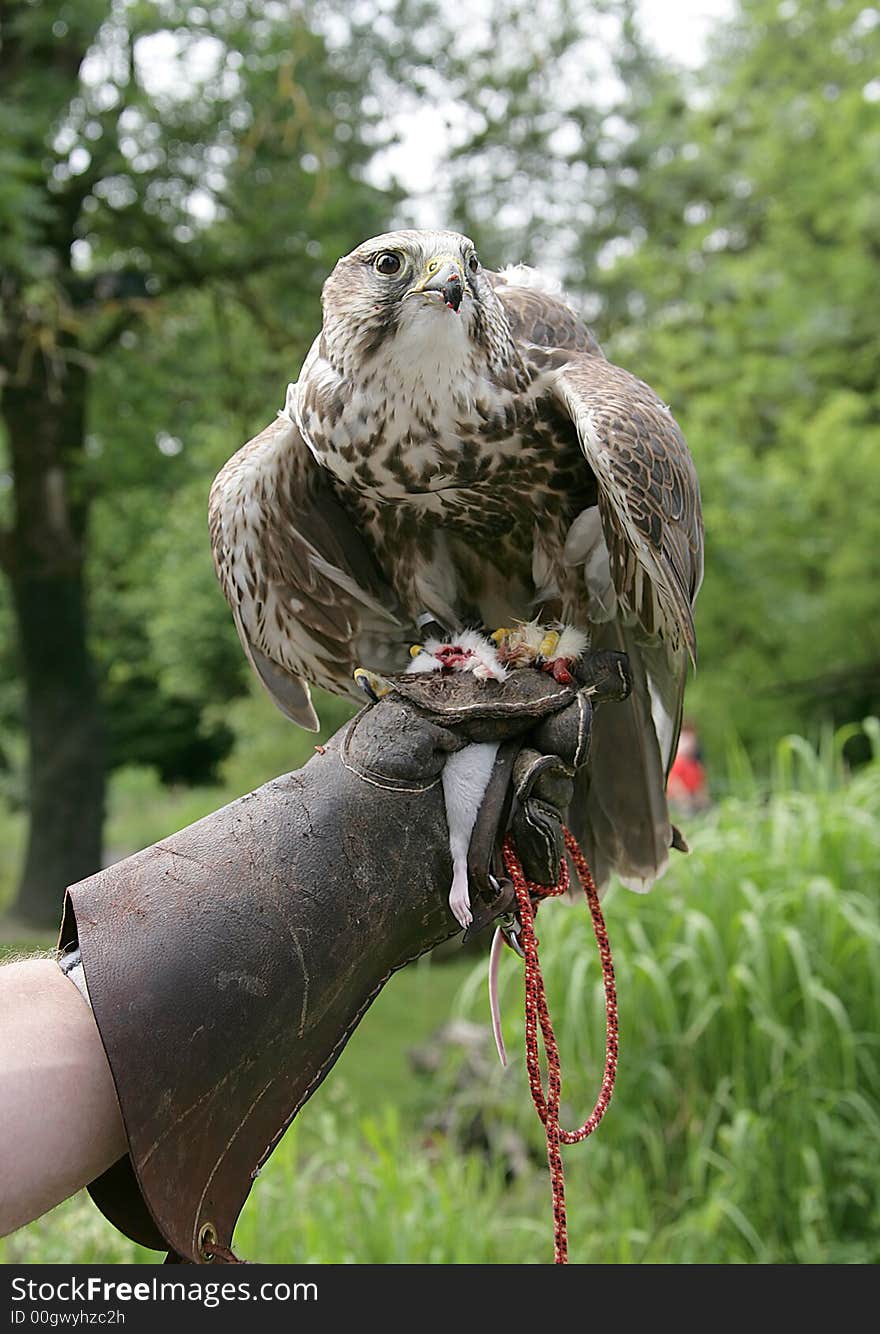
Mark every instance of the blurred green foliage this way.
pixel 755 316
pixel 178 182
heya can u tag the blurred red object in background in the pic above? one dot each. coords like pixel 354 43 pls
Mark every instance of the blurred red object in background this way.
pixel 687 786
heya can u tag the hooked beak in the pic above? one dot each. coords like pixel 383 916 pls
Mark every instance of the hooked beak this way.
pixel 443 274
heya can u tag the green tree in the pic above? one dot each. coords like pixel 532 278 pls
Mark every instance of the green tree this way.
pixel 120 192
pixel 749 273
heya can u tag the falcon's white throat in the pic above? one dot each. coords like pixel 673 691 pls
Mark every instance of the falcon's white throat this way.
pixel 432 351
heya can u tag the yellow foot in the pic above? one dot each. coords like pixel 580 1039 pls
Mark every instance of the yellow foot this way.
pixel 375 687
pixel 519 645
pixel 530 644
pixel 548 646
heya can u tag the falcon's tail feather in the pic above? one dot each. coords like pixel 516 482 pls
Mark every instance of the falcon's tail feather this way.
pixel 619 810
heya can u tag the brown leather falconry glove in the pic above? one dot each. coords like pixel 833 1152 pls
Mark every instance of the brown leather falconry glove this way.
pixel 228 964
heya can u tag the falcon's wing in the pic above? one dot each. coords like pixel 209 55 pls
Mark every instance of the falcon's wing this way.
pixel 642 552
pixel 650 519
pixel 538 316
pixel 649 496
pixel 308 598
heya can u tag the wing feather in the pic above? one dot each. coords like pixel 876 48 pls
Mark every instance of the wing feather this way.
pixel 538 316
pixel 649 496
pixel 619 810
pixel 641 550
pixel 306 592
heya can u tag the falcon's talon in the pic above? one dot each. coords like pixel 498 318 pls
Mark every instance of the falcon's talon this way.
pixel 375 687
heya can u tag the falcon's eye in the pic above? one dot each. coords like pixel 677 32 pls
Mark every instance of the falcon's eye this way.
pixel 473 263
pixel 388 263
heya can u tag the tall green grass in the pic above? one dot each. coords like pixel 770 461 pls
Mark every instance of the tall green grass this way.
pixel 746 1121
pixel 747 1112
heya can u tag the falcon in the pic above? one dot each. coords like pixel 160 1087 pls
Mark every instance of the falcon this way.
pixel 458 450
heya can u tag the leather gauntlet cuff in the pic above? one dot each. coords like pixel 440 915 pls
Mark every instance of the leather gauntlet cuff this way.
pixel 228 964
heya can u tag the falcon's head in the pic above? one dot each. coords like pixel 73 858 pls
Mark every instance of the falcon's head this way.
pixel 417 298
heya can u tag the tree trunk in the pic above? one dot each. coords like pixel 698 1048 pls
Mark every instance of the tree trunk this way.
pixel 43 408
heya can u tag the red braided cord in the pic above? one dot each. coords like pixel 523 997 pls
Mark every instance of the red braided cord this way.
pixel 537 1012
